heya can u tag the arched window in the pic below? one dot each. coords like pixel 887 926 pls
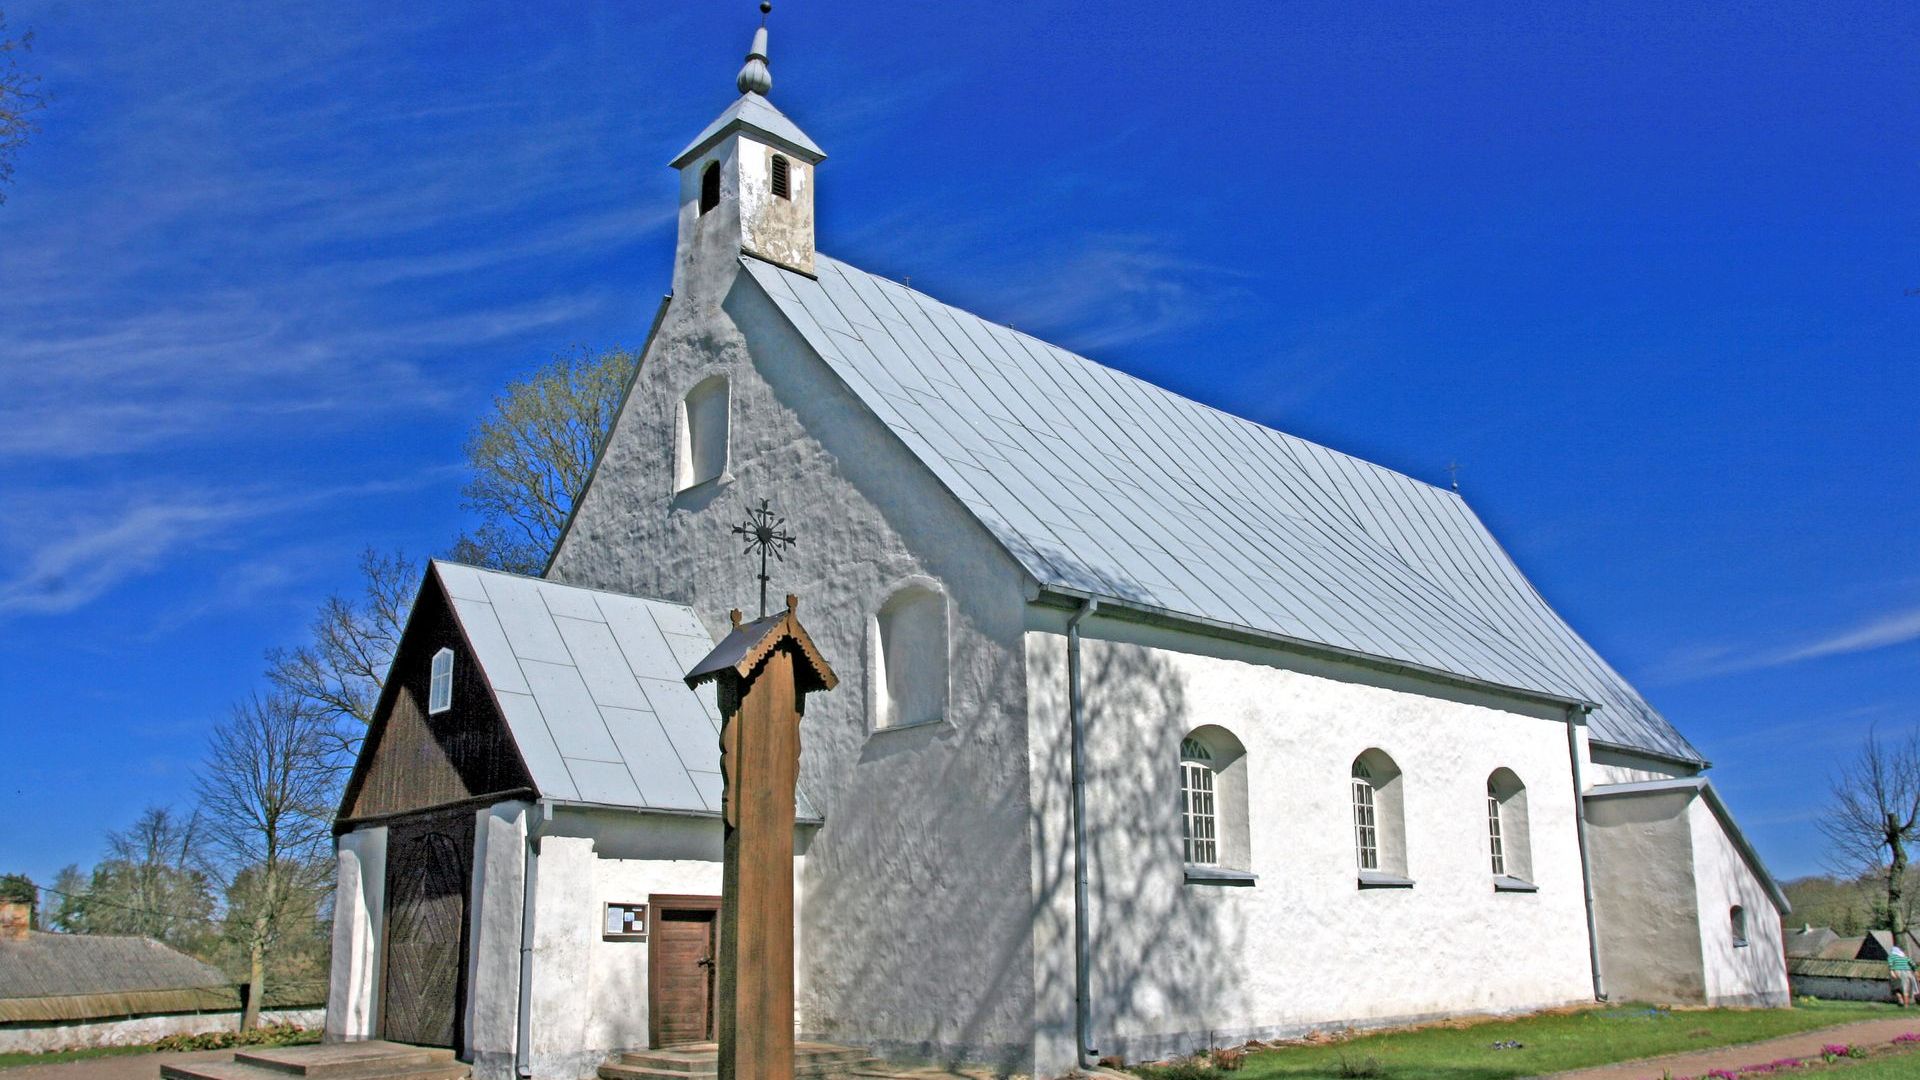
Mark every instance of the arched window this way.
pixel 1508 844
pixel 702 445
pixel 1738 917
pixel 709 187
pixel 1198 828
pixel 440 686
pixel 1213 807
pixel 782 178
pixel 1379 831
pixel 909 658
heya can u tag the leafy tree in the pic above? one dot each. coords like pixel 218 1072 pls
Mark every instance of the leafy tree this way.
pixel 337 674
pixel 19 100
pixel 267 795
pixel 1875 817
pixel 20 889
pixel 530 456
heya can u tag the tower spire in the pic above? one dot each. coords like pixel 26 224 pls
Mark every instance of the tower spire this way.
pixel 755 77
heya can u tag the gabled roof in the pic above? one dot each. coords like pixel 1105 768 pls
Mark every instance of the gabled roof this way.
pixel 747 645
pixel 590 684
pixel 1704 788
pixel 55 977
pixel 758 115
pixel 1103 485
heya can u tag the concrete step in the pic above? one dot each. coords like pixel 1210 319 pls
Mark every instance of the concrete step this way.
pixel 406 1067
pixel 347 1061
pixel 835 1070
pixel 701 1061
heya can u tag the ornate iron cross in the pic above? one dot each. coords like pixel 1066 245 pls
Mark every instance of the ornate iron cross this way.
pixel 763 531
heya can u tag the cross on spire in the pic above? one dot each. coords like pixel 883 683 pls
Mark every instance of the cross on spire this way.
pixel 762 530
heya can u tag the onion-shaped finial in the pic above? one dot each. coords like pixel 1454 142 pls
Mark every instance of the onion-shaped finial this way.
pixel 755 77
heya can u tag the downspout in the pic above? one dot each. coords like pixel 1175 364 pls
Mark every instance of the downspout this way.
pixel 538 816
pixel 1076 713
pixel 1575 715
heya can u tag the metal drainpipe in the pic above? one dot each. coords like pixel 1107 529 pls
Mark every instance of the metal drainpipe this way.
pixel 1586 863
pixel 538 815
pixel 1082 977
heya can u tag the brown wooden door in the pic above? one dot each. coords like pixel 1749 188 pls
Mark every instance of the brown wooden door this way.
pixel 680 968
pixel 428 864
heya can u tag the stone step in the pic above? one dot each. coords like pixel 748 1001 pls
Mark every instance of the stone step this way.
pixel 833 1070
pixel 347 1061
pixel 234 1070
pixel 701 1061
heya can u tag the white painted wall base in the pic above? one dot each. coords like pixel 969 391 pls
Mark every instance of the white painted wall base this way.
pixel 136 1030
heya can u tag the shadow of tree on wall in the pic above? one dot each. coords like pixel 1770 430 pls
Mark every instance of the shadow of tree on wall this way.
pixel 1165 957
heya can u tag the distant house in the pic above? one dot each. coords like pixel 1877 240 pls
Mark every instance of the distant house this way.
pixel 65 991
pixel 1821 963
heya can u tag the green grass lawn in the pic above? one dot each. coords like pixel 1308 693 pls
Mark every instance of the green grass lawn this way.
pixel 58 1056
pixel 1557 1042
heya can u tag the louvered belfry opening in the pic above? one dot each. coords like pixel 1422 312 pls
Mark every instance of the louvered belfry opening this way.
pixel 782 177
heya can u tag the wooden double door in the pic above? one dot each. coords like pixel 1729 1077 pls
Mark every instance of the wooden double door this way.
pixel 682 949
pixel 429 895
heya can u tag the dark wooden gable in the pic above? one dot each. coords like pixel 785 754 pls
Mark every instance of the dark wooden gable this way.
pixel 412 761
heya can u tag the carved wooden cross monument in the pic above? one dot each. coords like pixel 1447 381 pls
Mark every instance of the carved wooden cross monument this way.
pixel 764 671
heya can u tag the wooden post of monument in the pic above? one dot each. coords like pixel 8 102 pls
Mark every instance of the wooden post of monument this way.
pixel 763 672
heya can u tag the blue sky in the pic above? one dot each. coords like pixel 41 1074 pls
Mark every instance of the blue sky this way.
pixel 1648 274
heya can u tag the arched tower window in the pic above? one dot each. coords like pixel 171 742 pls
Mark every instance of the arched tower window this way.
pixel 1379 829
pixel 1213 807
pixel 702 443
pixel 1510 850
pixel 1738 918
pixel 909 658
pixel 709 187
pixel 440 685
pixel 782 177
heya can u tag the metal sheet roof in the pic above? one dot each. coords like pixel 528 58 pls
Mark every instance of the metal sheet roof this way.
pixel 590 685
pixel 1101 484
pixel 755 112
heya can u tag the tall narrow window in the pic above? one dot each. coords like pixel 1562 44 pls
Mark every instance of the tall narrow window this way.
pixel 1196 796
pixel 782 178
pixel 1509 850
pixel 709 187
pixel 1493 831
pixel 1366 828
pixel 440 686
pixel 1738 917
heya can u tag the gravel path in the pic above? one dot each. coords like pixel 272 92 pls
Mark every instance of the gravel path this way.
pixel 1806 1044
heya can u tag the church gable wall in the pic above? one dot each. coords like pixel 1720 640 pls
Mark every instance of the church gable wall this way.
pixel 1751 974
pixel 1177 963
pixel 916 893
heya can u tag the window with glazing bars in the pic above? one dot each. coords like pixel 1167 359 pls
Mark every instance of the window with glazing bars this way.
pixel 440 686
pixel 1493 833
pixel 1366 832
pixel 1196 802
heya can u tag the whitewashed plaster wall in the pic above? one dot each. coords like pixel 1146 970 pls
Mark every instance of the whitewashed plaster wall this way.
pixel 915 929
pixel 493 953
pixel 1754 974
pixel 1610 766
pixel 590 994
pixel 359 912
pixel 1177 964
pixel 1644 897
pixel 136 1030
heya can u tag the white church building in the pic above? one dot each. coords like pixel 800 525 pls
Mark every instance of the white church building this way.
pixel 1156 727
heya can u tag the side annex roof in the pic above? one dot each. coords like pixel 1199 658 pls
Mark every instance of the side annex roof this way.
pixel 1103 485
pixel 590 684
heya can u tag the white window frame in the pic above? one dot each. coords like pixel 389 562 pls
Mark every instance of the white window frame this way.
pixel 1366 819
pixel 1497 847
pixel 440 683
pixel 1737 916
pixel 1199 821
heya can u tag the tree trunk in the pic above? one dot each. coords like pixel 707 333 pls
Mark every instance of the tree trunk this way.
pixel 1896 878
pixel 256 976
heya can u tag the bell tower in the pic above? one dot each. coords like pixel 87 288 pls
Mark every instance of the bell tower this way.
pixel 746 183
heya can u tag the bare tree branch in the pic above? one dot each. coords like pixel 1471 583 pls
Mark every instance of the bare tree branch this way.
pixel 1874 816
pixel 19 100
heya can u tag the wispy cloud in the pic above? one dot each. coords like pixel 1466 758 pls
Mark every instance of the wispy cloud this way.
pixel 1880 631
